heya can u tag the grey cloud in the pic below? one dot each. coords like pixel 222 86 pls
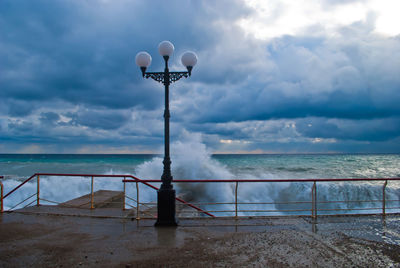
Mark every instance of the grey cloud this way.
pixel 311 77
pixel 49 118
pixel 21 127
pixel 361 130
pixel 20 108
pixel 81 54
pixel 107 119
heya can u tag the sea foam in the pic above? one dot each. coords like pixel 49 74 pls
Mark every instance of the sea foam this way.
pixel 192 160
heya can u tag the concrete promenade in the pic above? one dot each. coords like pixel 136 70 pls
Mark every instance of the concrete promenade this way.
pixel 33 240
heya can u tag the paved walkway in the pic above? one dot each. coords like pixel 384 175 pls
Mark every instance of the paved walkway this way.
pixel 32 240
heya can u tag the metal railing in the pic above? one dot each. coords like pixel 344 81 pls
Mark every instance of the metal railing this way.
pixel 236 208
pixel 92 176
pixel 313 203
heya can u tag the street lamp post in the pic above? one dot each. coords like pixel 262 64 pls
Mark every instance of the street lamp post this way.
pixel 166 193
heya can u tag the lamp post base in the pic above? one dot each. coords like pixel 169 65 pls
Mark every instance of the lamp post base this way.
pixel 166 208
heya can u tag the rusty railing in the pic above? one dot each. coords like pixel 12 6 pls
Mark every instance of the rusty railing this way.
pixel 92 176
pixel 313 212
pixel 312 207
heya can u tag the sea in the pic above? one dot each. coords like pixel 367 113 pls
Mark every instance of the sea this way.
pixel 194 161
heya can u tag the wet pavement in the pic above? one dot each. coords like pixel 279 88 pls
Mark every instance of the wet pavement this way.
pixel 45 240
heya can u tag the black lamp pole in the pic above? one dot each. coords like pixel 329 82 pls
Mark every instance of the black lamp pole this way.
pixel 166 193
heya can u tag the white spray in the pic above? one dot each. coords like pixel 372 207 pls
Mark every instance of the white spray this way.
pixel 191 160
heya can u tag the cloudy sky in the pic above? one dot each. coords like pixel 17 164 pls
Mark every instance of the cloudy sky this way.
pixel 276 76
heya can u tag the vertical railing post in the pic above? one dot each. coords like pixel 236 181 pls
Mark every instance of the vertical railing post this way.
pixel 91 195
pixel 123 199
pixel 314 200
pixel 384 199
pixel 236 203
pixel 38 191
pixel 137 202
pixel 1 197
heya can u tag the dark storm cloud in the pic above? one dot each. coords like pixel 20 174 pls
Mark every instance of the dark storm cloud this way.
pixel 83 52
pixel 49 118
pixel 99 119
pixel 361 130
pixel 58 49
pixel 20 126
pixel 70 65
pixel 19 108
pixel 354 79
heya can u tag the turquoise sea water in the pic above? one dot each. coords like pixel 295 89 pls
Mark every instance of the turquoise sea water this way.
pixel 195 162
pixel 14 166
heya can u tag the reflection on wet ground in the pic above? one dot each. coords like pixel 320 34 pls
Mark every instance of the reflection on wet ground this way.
pixel 70 240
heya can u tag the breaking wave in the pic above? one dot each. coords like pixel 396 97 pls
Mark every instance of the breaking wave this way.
pixel 191 160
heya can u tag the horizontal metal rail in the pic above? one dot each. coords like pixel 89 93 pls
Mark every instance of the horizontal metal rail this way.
pixel 271 180
pixel 291 202
pixel 146 182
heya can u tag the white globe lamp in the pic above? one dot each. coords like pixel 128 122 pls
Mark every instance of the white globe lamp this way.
pixel 189 59
pixel 166 48
pixel 143 60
